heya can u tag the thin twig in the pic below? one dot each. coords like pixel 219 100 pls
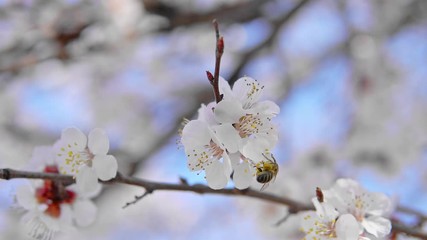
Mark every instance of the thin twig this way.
pixel 218 55
pixel 150 187
pixel 137 198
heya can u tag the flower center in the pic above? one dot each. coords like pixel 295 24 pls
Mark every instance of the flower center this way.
pixel 212 151
pixel 248 125
pixel 215 150
pixel 359 206
pixel 53 194
pixel 322 229
pixel 325 229
pixel 75 159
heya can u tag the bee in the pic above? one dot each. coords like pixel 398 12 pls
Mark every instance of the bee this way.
pixel 266 171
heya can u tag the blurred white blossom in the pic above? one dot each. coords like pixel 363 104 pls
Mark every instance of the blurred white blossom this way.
pixel 370 209
pixel 86 157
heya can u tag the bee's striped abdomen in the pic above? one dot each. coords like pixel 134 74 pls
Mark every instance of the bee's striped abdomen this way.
pixel 264 176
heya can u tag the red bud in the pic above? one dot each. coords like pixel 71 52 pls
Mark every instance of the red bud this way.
pixel 210 76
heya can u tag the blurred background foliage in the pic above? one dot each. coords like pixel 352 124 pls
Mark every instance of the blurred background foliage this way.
pixel 349 75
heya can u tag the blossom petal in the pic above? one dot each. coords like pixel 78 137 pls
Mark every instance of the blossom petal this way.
pixel 227 137
pixel 347 227
pixel 243 175
pixel 195 132
pixel 98 141
pixel 86 180
pixel 84 212
pixel 225 89
pixel 35 224
pixel 25 196
pixel 197 158
pixel 42 156
pixel 308 222
pixel 325 210
pixel 105 166
pixel 216 175
pixel 66 220
pixel 254 148
pixel 377 226
pixel 51 223
pixel 206 114
pixel 228 169
pixel 66 214
pixel 228 111
pixel 248 90
pixel 76 138
pixel 383 204
pixel 85 195
pixel 266 107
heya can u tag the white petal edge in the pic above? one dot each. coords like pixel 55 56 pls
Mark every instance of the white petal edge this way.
pixel 377 226
pixel 25 196
pixel 105 166
pixel 98 141
pixel 347 227
pixel 86 180
pixel 225 89
pixel 74 136
pixel 243 175
pixel 195 132
pixel 267 107
pixel 254 148
pixel 84 212
pixel 228 111
pixel 216 175
pixel 227 137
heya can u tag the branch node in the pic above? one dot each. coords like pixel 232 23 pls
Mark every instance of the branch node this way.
pixel 220 46
pixel 5 173
pixel 183 181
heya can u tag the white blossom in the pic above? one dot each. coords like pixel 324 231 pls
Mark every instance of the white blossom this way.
pixel 327 223
pixel 370 209
pixel 231 136
pixel 86 157
pixel 250 117
pixel 208 149
pixel 50 208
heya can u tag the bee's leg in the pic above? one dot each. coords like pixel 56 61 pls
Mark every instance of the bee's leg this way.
pixel 273 158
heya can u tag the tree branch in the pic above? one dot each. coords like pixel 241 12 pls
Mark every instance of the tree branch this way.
pixel 151 186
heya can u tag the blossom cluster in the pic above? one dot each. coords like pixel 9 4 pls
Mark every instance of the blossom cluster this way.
pixel 232 137
pixel 52 206
pixel 349 212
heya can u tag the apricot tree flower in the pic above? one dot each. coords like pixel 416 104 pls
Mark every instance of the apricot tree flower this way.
pixel 86 157
pixel 250 117
pixel 50 207
pixel 368 208
pixel 208 147
pixel 231 136
pixel 327 223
